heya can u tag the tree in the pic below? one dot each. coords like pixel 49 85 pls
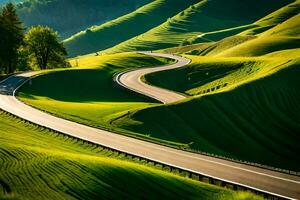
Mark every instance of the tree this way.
pixel 43 45
pixel 2 50
pixel 12 34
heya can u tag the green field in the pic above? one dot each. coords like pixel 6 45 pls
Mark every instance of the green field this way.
pixel 40 164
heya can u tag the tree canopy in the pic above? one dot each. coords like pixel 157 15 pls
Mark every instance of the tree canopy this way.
pixel 12 33
pixel 44 47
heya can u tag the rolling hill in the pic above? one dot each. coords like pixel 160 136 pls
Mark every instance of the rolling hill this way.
pixel 202 17
pixel 234 92
pixel 70 16
pixel 242 89
pixel 209 46
pixel 283 36
pixel 241 81
pixel 79 101
pixel 121 29
pixel 226 119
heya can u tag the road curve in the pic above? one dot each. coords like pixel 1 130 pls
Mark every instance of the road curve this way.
pixel 281 184
pixel 132 79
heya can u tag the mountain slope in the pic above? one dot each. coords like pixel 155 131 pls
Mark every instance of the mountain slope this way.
pixel 123 28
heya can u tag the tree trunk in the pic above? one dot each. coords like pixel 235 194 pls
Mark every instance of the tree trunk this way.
pixel 10 70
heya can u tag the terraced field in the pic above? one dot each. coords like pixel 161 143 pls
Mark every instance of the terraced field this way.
pixel 39 164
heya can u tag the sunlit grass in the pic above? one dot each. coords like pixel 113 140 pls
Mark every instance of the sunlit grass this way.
pixel 236 104
pixel 125 27
pixel 39 164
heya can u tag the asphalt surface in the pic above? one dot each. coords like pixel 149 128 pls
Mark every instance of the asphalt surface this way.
pixel 284 185
pixel 132 79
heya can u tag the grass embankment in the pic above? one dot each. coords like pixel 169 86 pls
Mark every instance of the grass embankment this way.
pixel 123 28
pixel 226 17
pixel 40 164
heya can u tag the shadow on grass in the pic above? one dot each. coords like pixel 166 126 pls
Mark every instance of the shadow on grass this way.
pixel 80 85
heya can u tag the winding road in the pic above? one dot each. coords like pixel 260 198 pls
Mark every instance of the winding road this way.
pixel 132 79
pixel 280 184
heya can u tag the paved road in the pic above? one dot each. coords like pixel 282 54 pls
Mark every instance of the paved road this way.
pixel 261 179
pixel 132 79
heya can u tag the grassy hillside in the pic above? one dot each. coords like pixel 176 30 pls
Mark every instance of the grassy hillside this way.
pixel 123 28
pixel 274 18
pixel 40 164
pixel 89 88
pixel 243 93
pixel 70 16
pixel 87 93
pixel 246 100
pixel 208 46
pixel 283 36
pixel 231 117
pixel 202 17
pixel 210 122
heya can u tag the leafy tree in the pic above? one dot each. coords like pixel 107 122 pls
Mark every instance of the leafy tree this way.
pixel 22 63
pixel 44 47
pixel 12 34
